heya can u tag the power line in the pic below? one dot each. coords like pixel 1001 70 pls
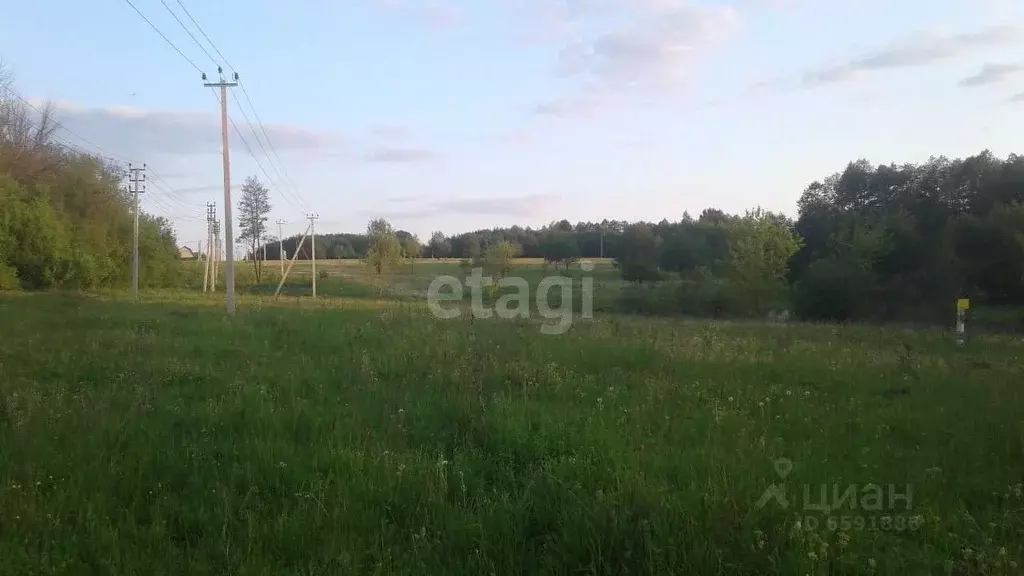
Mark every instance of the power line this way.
pixel 278 166
pixel 163 201
pixel 201 31
pixel 249 149
pixel 111 155
pixel 286 177
pixel 189 32
pixel 157 30
pixel 269 159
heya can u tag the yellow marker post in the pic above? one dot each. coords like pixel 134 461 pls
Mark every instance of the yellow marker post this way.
pixel 962 306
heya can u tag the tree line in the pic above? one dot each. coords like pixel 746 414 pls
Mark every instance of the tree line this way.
pixel 66 220
pixel 889 241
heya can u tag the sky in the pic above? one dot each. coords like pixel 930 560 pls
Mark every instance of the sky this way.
pixel 457 116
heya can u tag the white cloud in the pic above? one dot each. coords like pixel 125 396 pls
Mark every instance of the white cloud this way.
pixel 400 155
pixel 991 74
pixel 922 49
pixel 144 133
pixel 526 206
pixel 656 51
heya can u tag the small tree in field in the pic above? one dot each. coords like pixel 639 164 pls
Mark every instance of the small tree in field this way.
pixel 253 207
pixel 412 249
pixel 384 250
pixel 498 258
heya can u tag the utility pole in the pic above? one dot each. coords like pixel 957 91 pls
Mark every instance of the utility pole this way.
pixel 312 245
pixel 216 253
pixel 138 186
pixel 210 208
pixel 280 245
pixel 228 232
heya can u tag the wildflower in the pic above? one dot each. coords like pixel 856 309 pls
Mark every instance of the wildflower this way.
pixel 760 404
pixel 871 562
pixel 730 399
pixel 1002 551
pixel 789 392
pixel 812 556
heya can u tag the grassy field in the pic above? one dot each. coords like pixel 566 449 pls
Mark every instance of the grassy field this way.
pixel 357 434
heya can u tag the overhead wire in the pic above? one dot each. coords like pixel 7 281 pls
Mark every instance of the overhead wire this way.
pixel 116 160
pixel 189 32
pixel 282 171
pixel 203 32
pixel 272 165
pixel 273 157
pixel 249 148
pixel 166 39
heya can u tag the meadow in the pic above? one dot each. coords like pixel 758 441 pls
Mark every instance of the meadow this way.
pixel 358 434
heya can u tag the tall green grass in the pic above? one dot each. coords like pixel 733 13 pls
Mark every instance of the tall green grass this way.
pixel 364 437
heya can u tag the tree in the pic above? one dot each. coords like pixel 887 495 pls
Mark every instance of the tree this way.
pixel 384 249
pixel 472 247
pixel 759 252
pixel 440 247
pixel 638 259
pixel 560 246
pixel 65 219
pixel 253 208
pixel 498 259
pixel 412 249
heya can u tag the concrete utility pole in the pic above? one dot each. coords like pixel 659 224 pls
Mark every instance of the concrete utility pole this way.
pixel 312 245
pixel 138 186
pixel 280 245
pixel 210 207
pixel 216 253
pixel 228 232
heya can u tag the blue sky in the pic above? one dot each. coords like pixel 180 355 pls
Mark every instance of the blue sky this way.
pixel 453 116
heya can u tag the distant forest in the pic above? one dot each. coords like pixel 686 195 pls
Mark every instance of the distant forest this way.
pixel 891 241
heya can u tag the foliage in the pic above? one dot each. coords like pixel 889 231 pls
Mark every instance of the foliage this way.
pixel 472 249
pixel 253 208
pixel 439 245
pixel 384 248
pixel 65 220
pixel 499 256
pixel 638 256
pixel 559 246
pixel 760 248
pixel 411 247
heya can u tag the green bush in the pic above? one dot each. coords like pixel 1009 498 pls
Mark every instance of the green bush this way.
pixel 8 278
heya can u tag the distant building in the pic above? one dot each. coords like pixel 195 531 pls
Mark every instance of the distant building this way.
pixel 186 253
